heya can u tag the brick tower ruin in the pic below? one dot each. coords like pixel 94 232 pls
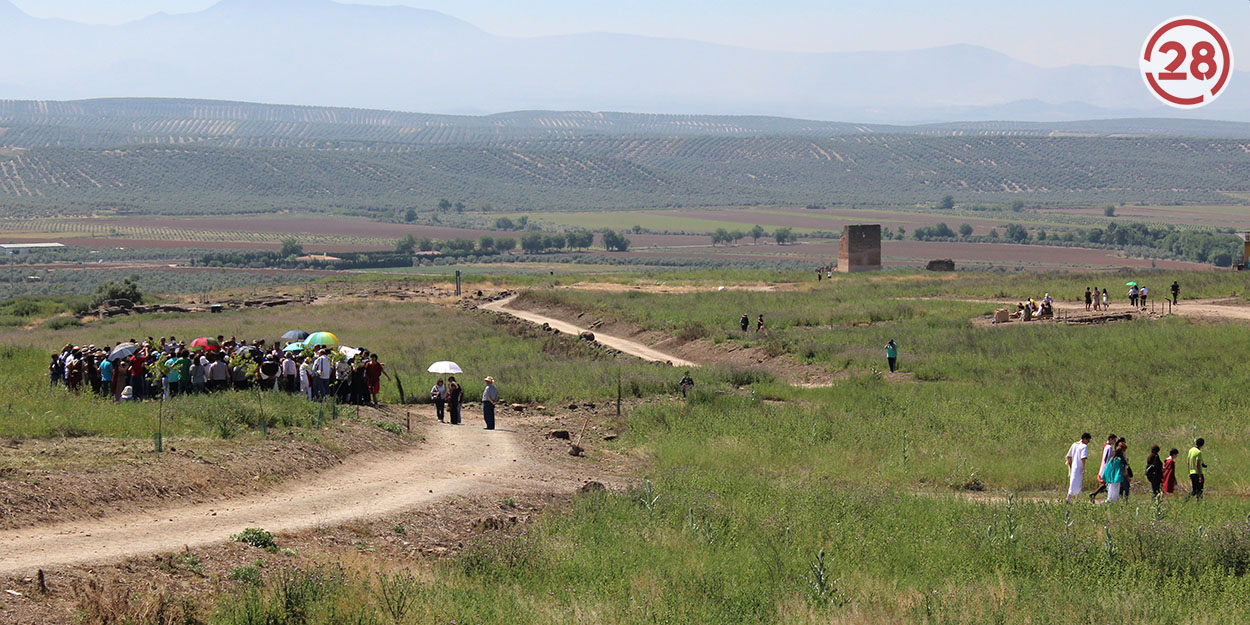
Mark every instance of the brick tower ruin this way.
pixel 860 248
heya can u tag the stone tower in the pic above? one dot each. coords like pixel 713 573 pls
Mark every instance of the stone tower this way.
pixel 860 248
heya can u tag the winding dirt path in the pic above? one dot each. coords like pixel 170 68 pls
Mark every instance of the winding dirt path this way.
pixel 633 348
pixel 453 460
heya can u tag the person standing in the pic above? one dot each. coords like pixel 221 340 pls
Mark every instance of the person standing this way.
pixel 1088 299
pixel 1108 450
pixel 1176 291
pixel 1077 454
pixel 759 325
pixel 455 397
pixel 1126 473
pixel 1132 296
pixel 1154 471
pixel 1106 301
pixel 1141 297
pixel 199 375
pixel 374 370
pixel 745 322
pixel 490 397
pixel 323 370
pixel 891 355
pixel 106 377
pixel 289 372
pixel 1169 471
pixel 438 394
pixel 1197 477
pixel 686 384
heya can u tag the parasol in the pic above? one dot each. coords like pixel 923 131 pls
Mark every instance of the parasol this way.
pixel 322 338
pixel 445 366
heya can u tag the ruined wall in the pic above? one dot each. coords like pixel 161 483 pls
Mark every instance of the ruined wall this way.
pixel 860 248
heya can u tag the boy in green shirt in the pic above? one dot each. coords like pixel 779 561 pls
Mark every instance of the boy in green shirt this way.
pixel 1196 475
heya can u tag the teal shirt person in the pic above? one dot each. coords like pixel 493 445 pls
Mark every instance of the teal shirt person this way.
pixel 106 371
pixel 1113 473
pixel 891 350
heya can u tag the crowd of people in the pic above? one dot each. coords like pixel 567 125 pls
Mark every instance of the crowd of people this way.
pixel 1115 473
pixel 167 367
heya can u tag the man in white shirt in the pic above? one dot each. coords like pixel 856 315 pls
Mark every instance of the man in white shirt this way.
pixel 322 370
pixel 289 371
pixel 1077 454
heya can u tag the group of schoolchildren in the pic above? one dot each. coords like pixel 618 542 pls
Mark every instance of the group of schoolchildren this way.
pixel 1115 474
pixel 166 368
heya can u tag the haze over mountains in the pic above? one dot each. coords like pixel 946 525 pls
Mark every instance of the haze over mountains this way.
pixel 318 52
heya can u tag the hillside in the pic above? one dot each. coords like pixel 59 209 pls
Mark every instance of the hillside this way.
pixel 195 156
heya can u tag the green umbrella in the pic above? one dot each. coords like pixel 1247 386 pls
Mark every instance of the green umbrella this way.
pixel 1130 284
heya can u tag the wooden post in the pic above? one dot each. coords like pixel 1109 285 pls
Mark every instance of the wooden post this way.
pixel 408 421
pixel 160 425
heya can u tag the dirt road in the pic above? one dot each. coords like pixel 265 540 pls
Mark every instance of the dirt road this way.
pixel 633 348
pixel 453 460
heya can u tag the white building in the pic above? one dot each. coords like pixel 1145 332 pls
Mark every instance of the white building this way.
pixel 14 249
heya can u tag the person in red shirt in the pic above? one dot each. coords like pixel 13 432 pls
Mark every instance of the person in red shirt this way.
pixel 1169 471
pixel 138 373
pixel 374 371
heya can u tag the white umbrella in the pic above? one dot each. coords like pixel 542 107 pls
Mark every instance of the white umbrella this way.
pixel 125 350
pixel 445 366
pixel 350 352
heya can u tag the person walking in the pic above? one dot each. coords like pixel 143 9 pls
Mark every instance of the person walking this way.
pixel 455 398
pixel 438 394
pixel 1197 476
pixel 1077 454
pixel 1106 301
pixel 1096 299
pixel 1176 291
pixel 1169 471
pixel 1108 450
pixel 1113 474
pixel 1154 471
pixel 1088 299
pixel 490 397
pixel 1126 473
pixel 686 384
pixel 891 355
pixel 759 325
pixel 1141 297
pixel 745 322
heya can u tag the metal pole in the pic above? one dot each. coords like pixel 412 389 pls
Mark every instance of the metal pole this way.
pixel 457 283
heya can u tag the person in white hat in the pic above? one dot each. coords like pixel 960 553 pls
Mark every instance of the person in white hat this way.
pixel 490 396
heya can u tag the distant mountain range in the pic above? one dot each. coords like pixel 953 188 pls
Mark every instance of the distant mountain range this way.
pixel 400 58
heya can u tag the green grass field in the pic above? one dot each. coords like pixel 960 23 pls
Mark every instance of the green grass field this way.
pixel 857 503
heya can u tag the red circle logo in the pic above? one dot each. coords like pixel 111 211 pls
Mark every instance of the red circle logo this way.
pixel 1186 62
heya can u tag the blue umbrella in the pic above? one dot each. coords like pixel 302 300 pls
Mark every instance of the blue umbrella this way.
pixel 294 347
pixel 295 335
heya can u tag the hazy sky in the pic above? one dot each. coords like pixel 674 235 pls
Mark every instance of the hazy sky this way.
pixel 1055 32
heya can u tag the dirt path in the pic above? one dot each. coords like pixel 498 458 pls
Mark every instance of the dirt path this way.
pixel 454 460
pixel 633 348
pixel 1225 308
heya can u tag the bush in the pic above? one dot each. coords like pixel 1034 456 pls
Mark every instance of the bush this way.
pixel 59 323
pixel 256 537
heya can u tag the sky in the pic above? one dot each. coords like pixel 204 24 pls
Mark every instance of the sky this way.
pixel 1051 34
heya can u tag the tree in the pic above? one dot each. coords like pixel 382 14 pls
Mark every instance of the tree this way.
pixel 581 239
pixel 947 203
pixel 459 207
pixel 291 247
pixel 943 231
pixel 1109 211
pixel 125 289
pixel 1017 205
pixel 1041 235
pixel 757 233
pixel 505 244
pixel 486 243
pixel 532 243
pixel 902 232
pixel 410 215
pixel 614 242
pixel 720 235
pixel 406 245
pixel 965 230
pixel 993 233
pixel 737 235
pixel 444 205
pixel 425 244
pixel 503 223
pixel 783 235
pixel 523 221
pixel 1017 233
pixel 637 229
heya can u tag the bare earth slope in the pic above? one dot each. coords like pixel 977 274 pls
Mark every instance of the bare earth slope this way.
pixel 455 460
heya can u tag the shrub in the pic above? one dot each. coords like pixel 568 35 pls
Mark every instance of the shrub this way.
pixel 256 537
pixel 59 323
